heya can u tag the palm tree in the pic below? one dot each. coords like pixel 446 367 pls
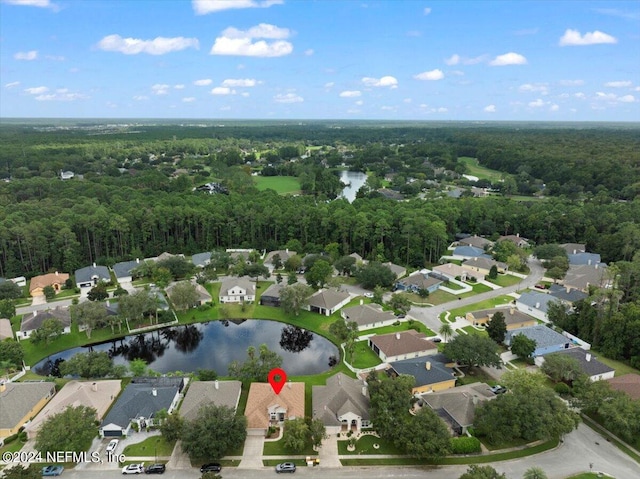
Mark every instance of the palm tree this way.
pixel 534 473
pixel 446 331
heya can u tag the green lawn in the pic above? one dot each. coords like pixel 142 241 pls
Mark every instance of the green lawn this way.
pixel 277 448
pixel 474 375
pixel 474 169
pixel 620 367
pixel 505 280
pixel 588 475
pixel 152 446
pixel 283 185
pixel 364 445
pixel 275 462
pixel 403 326
pixel 364 357
pixel 473 330
pixel 486 304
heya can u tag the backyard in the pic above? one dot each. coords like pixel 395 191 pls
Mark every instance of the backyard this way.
pixel 283 185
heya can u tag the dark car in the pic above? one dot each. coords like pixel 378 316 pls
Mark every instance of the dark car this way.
pixel 211 467
pixel 155 469
pixel 286 467
pixel 437 340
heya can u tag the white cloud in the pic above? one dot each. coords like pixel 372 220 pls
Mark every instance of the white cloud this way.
pixel 350 93
pixel 442 110
pixel 614 12
pixel 407 100
pixel 240 82
pixel 359 102
pixel 31 3
pixel 536 103
pixel 203 7
pixel 580 95
pixel 179 86
pixel 636 88
pixel 574 38
pixel 534 87
pixel 388 108
pixel 160 89
pixel 12 84
pixel 385 81
pixel 238 42
pixel 140 97
pixel 612 97
pixel 203 82
pixel 627 99
pixel 618 84
pixel 427 11
pixel 554 107
pixel 222 90
pixel 245 94
pixel 157 46
pixel 430 75
pixel 453 59
pixel 28 56
pixel 510 58
pixel 61 94
pixel 329 84
pixel 490 108
pixel 288 98
pixel 309 51
pixel 189 99
pixel 571 82
pixel 38 90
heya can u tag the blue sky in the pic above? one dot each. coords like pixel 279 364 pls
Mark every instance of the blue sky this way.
pixel 325 59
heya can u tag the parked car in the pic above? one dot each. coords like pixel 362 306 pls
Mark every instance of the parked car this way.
pixel 497 389
pixel 368 295
pixel 155 469
pixel 52 470
pixel 133 469
pixel 112 445
pixel 211 467
pixel 437 340
pixel 286 467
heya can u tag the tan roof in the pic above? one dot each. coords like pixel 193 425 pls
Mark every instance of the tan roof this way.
pixel 406 342
pixel 17 399
pixel 262 397
pixel 327 298
pixel 364 314
pixel 476 241
pixel 484 263
pixel 628 383
pixel 96 394
pixel 5 329
pixel 511 315
pixel 47 280
pixel 243 281
pixel 200 393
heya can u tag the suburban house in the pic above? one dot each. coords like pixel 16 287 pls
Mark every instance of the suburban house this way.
pixel 430 374
pixel 283 254
pixel 201 393
pixel 574 248
pixel 517 240
pixel 399 271
pixel 200 260
pixel 535 304
pixel 203 295
pixel 359 259
pixel 237 290
pixel 589 365
pixel 513 319
pixel 327 301
pixel 123 270
pixel 19 402
pixel 32 321
pixel 466 252
pixel 55 280
pixel 5 329
pixel 368 316
pixel 418 281
pixel 342 405
pixel 139 403
pixel 452 271
pixel 266 408
pixel 483 265
pixel 547 340
pixel 457 406
pixel 398 346
pixel 96 394
pixel 271 295
pixel 476 241
pixel 584 258
pixel 90 276
pixel 566 294
pixel 582 276
pixel 627 383
pixel 164 256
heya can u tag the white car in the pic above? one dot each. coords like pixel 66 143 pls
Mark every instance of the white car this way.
pixel 133 469
pixel 368 295
pixel 112 445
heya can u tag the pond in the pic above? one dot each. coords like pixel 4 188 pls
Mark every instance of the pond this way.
pixel 354 180
pixel 213 345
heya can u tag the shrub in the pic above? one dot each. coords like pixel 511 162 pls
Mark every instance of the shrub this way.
pixel 465 445
pixel 562 388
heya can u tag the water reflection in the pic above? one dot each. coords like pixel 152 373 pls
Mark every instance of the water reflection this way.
pixel 354 181
pixel 213 345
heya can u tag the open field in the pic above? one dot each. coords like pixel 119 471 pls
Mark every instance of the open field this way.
pixel 474 169
pixel 283 185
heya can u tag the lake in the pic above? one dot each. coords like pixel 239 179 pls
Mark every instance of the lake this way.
pixel 354 180
pixel 214 345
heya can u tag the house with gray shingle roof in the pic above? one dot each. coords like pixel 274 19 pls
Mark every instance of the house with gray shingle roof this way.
pixel 430 375
pixel 327 301
pixel 201 393
pixel 203 295
pixel 483 265
pixel 584 258
pixel 566 294
pixel 32 321
pixel 417 281
pixel 201 260
pixel 342 404
pixel 517 240
pixel 237 290
pixel 582 276
pixel 283 254
pixel 589 364
pixel 475 241
pixel 140 402
pixel 19 402
pixel 466 252
pixel 368 316
pixel 398 270
pixel 89 276
pixel 404 345
pixel 271 295
pixel 547 340
pixel 574 248
pixel 123 270
pixel 535 304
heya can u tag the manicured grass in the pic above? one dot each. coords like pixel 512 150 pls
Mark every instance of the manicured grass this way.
pixel 474 375
pixel 403 326
pixel 505 280
pixel 275 462
pixel 151 447
pixel 620 367
pixel 475 169
pixel 506 445
pixel 283 185
pixel 486 304
pixel 473 330
pixel 588 475
pixel 14 446
pixel 229 462
pixel 277 448
pixel 364 357
pixel 364 445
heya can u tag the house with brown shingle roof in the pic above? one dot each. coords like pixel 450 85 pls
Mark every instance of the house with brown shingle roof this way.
pixel 95 394
pixel 327 301
pixel 452 271
pixel 476 241
pixel 483 265
pixel 342 404
pixel 201 393
pixel 55 280
pixel 265 407
pixel 368 316
pixel 397 346
pixel 581 276
pixel 513 318
pixel 516 239
pixel 19 402
pixel 32 321
pixel 627 383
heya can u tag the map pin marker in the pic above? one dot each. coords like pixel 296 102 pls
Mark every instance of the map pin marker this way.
pixel 277 377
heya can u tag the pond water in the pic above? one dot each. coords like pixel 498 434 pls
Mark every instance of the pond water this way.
pixel 214 345
pixel 354 180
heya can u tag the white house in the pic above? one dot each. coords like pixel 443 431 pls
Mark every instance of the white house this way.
pixel 237 290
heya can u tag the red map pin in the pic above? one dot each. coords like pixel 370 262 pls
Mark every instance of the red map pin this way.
pixel 277 377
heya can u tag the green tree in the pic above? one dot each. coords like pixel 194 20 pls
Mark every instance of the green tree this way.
pixel 49 292
pixel 49 330
pixel 561 367
pixel 10 290
pixel 389 405
pixel 497 327
pixel 207 374
pixel 296 434
pixel 344 330
pixel 183 295
pixel 345 265
pixel 473 350
pixel 257 366
pixel 522 346
pixel 446 331
pixel 378 292
pixel 7 308
pixel 214 432
pixel 493 272
pixel 293 263
pixel 400 302
pixel 375 274
pixel 138 367
pixel 292 278
pixel 177 266
pixel 92 364
pixel 89 316
pixel 172 427
pixel 430 437
pixel 98 292
pixel 11 352
pixel 294 298
pixel 32 471
pixel 161 276
pixel 210 475
pixel 534 473
pixel 317 432
pixel 482 472
pixel 318 275
pixel 276 261
pixel 71 430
